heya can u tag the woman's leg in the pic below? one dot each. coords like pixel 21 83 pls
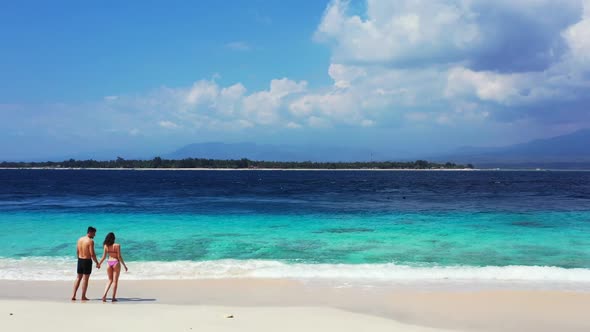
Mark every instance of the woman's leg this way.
pixel 109 283
pixel 116 272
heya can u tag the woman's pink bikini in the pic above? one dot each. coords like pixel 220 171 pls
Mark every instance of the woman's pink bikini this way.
pixel 113 263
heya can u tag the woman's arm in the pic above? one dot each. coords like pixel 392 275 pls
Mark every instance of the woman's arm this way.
pixel 104 255
pixel 121 259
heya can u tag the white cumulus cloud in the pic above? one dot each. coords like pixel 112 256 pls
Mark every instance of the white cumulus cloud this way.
pixel 401 30
pixel 168 124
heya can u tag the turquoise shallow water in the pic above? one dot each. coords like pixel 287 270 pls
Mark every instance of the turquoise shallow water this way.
pixel 475 239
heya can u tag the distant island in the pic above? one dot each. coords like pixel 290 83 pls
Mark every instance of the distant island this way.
pixel 570 151
pixel 187 163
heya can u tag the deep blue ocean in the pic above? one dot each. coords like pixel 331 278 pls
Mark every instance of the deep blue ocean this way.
pixel 382 225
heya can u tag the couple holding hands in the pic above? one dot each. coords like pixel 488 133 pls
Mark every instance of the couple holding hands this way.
pixel 86 254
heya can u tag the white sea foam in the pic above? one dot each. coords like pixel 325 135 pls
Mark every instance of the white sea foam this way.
pixel 56 268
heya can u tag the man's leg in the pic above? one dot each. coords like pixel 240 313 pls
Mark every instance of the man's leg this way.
pixel 76 285
pixel 85 278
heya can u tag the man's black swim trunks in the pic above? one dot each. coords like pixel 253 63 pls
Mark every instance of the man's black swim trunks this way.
pixel 84 266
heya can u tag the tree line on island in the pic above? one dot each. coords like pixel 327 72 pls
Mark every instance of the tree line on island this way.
pixel 243 163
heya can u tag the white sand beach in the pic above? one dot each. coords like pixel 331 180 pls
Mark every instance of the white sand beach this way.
pixel 49 316
pixel 285 305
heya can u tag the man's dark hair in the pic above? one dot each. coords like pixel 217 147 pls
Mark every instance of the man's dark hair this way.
pixel 91 229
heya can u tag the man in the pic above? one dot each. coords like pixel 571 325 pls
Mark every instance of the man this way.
pixel 86 254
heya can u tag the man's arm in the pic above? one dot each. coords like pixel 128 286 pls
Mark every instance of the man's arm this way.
pixel 77 250
pixel 93 253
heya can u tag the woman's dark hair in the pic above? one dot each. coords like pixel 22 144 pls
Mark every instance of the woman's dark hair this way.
pixel 109 240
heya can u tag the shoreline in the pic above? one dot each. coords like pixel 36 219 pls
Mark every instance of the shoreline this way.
pixel 307 169
pixel 59 268
pixel 377 309
pixel 242 169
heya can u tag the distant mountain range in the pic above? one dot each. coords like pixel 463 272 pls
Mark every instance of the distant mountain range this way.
pixel 570 151
pixel 267 152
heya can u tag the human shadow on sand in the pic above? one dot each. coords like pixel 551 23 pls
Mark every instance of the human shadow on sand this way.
pixel 133 299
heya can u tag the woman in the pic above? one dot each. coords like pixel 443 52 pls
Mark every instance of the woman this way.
pixel 114 264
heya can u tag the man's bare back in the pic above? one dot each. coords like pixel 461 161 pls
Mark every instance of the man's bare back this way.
pixel 85 247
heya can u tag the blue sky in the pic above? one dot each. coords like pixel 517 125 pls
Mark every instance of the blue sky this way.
pixel 405 78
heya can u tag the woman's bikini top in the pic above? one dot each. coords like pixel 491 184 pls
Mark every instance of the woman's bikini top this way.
pixel 113 253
